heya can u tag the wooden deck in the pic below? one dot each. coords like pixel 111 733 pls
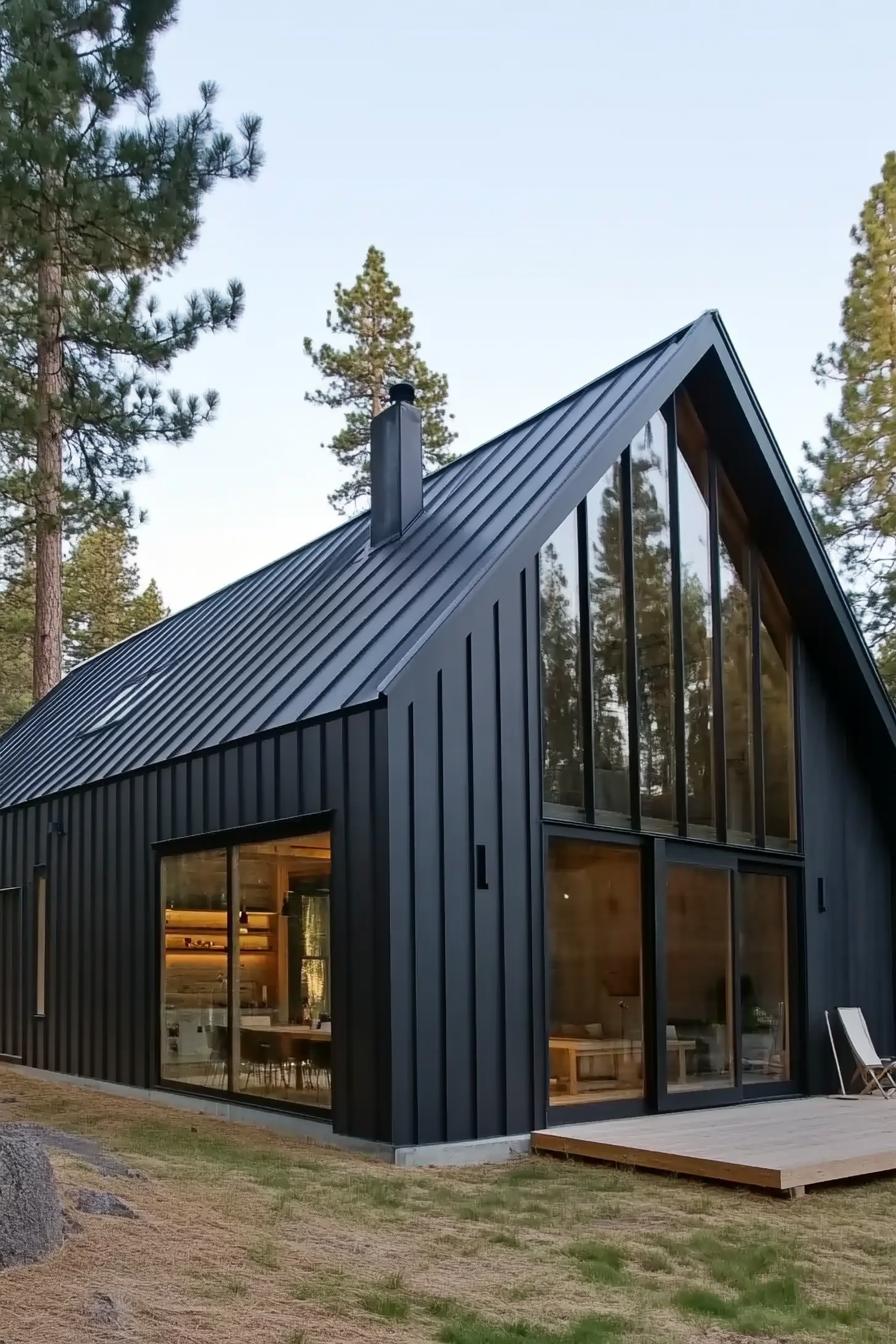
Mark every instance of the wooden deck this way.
pixel 775 1145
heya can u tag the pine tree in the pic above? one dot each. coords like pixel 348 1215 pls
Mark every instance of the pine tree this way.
pixel 16 629
pixel 102 603
pixel 102 599
pixel 99 197
pixel 381 350
pixel 851 480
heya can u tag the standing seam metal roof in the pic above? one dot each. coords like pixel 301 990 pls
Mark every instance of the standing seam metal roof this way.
pixel 319 630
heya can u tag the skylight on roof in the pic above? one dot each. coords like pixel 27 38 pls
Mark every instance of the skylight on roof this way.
pixel 126 700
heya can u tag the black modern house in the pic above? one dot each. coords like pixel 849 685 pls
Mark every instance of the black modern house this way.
pixel 558 786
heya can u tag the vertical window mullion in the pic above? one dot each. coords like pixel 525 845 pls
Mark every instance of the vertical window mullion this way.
pixel 756 692
pixel 737 1026
pixel 631 642
pixel 233 966
pixel 718 697
pixel 655 987
pixel 585 659
pixel 681 787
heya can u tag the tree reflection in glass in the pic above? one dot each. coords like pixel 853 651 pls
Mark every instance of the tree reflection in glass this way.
pixel 560 670
pixel 737 664
pixel 653 623
pixel 696 618
pixel 605 578
pixel 777 716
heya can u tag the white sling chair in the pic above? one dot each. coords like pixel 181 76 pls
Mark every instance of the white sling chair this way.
pixel 873 1073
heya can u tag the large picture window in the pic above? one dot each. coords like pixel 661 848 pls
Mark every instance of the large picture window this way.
pixel 666 652
pixel 246 1004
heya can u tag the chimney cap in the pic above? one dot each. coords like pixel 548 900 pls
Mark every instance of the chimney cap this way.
pixel 402 392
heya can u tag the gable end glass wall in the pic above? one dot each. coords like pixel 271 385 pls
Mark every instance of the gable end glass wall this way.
pixel 667 654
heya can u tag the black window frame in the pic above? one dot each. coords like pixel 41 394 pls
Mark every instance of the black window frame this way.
pixel 657 851
pixel 41 943
pixel 230 840
pixel 592 818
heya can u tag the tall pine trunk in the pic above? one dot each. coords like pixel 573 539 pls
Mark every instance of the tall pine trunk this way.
pixel 47 660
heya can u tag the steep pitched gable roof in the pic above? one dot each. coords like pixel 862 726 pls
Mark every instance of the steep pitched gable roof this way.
pixel 324 628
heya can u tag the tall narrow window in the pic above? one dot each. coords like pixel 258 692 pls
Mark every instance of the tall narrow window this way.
pixel 737 665
pixel 776 654
pixel 696 619
pixel 564 766
pixel 605 585
pixel 40 942
pixel 653 624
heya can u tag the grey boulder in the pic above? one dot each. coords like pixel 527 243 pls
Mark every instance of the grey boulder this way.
pixel 101 1201
pixel 31 1221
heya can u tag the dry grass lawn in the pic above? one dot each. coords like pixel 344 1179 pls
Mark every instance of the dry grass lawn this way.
pixel 245 1236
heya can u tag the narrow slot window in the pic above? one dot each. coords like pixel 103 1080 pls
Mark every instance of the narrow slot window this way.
pixel 40 942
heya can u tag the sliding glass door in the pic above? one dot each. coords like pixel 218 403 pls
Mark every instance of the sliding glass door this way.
pixel 672 975
pixel 726 980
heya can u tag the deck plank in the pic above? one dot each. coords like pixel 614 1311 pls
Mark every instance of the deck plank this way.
pixel 773 1145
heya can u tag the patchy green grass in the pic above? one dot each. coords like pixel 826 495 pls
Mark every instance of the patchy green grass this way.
pixel 761 1287
pixel 598 1261
pixel 184 1144
pixel 245 1234
pixel 476 1330
pixel 391 1306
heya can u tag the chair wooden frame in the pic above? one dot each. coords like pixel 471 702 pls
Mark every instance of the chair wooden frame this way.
pixel 873 1073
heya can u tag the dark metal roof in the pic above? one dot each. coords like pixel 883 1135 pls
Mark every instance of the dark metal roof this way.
pixel 323 628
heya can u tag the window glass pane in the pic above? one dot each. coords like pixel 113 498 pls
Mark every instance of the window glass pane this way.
pixel 40 942
pixel 653 624
pixel 560 668
pixel 605 577
pixel 696 619
pixel 737 664
pixel 698 978
pixel 594 921
pixel 777 717
pixel 765 1043
pixel 194 974
pixel 284 969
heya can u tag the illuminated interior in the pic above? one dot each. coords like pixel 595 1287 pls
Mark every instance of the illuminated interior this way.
pixel 246 970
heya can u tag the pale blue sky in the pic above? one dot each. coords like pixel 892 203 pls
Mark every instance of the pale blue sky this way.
pixel 553 187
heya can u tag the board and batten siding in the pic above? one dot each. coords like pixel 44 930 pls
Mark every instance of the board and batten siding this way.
pixel 467 941
pixel 849 848
pixel 102 1008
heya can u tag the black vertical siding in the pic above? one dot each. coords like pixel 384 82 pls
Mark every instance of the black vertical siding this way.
pixel 11 972
pixel 467 985
pixel 849 945
pixel 102 916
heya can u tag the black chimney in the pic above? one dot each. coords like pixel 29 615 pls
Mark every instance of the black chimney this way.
pixel 396 466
